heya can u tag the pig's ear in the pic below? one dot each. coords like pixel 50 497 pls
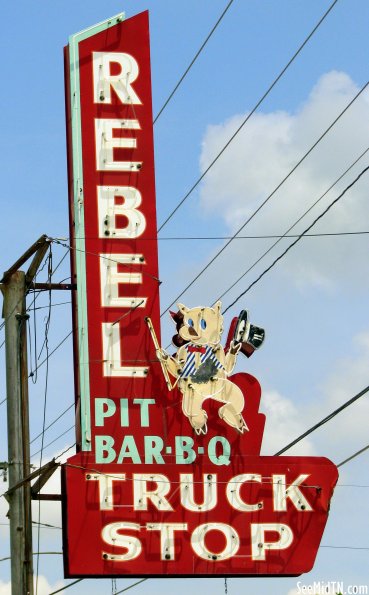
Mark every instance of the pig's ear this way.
pixel 183 309
pixel 218 306
pixel 175 316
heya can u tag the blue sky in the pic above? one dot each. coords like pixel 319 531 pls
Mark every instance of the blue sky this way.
pixel 313 304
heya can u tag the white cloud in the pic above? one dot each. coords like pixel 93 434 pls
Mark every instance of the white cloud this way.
pixel 44 587
pixel 347 432
pixel 264 152
pixel 344 434
pixel 283 423
pixel 51 511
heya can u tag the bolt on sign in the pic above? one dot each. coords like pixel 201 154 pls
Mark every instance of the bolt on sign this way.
pixel 168 479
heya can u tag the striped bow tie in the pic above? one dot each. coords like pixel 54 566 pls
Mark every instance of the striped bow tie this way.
pixel 189 368
pixel 196 349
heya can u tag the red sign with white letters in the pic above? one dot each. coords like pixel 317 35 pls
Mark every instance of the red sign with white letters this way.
pixel 161 485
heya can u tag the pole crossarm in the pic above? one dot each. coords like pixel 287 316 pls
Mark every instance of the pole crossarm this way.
pixel 43 477
pixel 43 472
pixel 37 260
pixel 40 247
pixel 49 286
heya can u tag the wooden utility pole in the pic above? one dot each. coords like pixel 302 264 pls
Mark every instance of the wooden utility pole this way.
pixel 14 313
pixel 14 286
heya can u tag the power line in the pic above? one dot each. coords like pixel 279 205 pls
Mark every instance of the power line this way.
pixel 344 547
pixel 298 239
pixel 33 301
pixel 248 116
pixel 356 454
pixel 55 439
pixel 43 525
pixel 324 421
pixel 285 235
pixel 101 256
pixel 53 422
pixel 193 61
pixel 38 293
pixel 52 352
pixel 268 197
pixel 45 360
pixel 46 345
pixel 69 301
pixel 46 525
pixel 131 586
pixel 253 237
pixel 67 586
pixel 64 451
pixel 37 554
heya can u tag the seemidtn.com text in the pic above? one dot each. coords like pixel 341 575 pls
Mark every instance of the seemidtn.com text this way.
pixel 331 588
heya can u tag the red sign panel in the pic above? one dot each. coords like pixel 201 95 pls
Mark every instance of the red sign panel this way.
pixel 256 516
pixel 168 480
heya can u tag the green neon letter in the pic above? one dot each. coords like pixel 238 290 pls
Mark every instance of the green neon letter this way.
pixel 184 446
pixel 129 450
pixel 153 447
pixel 224 457
pixel 103 408
pixel 105 452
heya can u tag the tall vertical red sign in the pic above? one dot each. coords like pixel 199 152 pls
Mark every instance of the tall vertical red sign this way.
pixel 113 216
pixel 146 495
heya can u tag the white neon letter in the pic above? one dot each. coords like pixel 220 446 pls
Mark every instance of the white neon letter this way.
pixel 110 279
pixel 258 543
pixel 141 493
pixel 115 201
pixel 112 356
pixel 106 487
pixel 281 493
pixel 121 82
pixel 167 537
pixel 234 488
pixel 106 142
pixel 209 489
pixel 231 537
pixel 111 536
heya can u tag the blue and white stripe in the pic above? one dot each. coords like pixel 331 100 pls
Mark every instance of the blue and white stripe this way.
pixel 190 367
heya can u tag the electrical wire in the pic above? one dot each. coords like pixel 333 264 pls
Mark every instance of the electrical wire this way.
pixel 37 554
pixel 356 454
pixel 101 256
pixel 69 301
pixel 21 299
pixel 65 450
pixel 324 421
pixel 67 586
pixel 131 586
pixel 46 346
pixel 2 325
pixel 268 197
pixel 192 62
pixel 248 116
pixel 254 237
pixel 53 422
pixel 52 352
pixel 298 238
pixel 55 439
pixel 44 361
pixel 286 234
pixel 46 525
pixel 344 547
